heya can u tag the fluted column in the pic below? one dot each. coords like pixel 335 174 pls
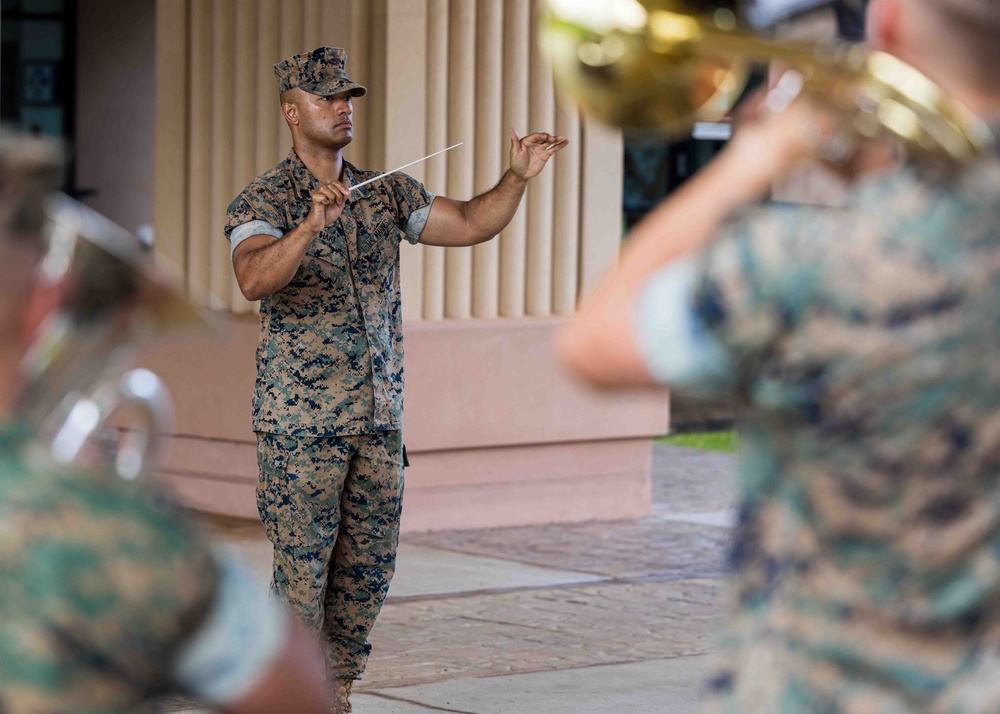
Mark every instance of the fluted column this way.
pixel 513 241
pixel 172 61
pixel 600 219
pixel 489 95
pixel 436 38
pixel 201 159
pixel 243 131
pixel 566 226
pixel 541 191
pixel 405 120
pixel 461 161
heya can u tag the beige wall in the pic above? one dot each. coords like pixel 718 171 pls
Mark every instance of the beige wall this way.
pixel 497 433
pixel 115 107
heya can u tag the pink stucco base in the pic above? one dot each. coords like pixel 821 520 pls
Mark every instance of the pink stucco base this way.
pixel 497 433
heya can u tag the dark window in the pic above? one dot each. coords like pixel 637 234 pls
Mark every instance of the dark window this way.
pixel 38 70
pixel 654 167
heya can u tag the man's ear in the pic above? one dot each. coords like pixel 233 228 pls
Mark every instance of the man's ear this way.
pixel 291 112
pixel 883 24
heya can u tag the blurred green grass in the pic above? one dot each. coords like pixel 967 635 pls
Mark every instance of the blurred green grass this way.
pixel 725 441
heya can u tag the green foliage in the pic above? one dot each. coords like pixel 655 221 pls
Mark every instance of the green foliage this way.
pixel 726 441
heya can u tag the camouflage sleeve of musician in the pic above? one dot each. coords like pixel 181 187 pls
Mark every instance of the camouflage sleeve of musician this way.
pixel 101 586
pixel 757 277
pixel 413 205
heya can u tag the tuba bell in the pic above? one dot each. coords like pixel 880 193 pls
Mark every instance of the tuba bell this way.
pixel 659 66
pixel 76 374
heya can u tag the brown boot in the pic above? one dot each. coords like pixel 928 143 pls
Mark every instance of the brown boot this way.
pixel 342 696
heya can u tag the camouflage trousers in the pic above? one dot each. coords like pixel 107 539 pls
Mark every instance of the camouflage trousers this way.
pixel 331 509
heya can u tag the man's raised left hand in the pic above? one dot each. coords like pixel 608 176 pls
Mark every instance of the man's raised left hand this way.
pixel 529 155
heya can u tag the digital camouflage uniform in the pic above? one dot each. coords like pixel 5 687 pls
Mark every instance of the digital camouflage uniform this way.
pixel 328 401
pixel 863 345
pixel 101 585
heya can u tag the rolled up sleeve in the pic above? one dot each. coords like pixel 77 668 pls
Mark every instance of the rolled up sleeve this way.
pixel 675 344
pixel 247 230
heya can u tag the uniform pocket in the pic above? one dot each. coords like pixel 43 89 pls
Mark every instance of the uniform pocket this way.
pixel 379 244
pixel 272 462
pixel 330 248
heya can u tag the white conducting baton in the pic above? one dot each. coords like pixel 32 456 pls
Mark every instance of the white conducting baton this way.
pixel 376 178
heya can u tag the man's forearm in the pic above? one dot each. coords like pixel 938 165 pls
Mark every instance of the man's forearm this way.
pixel 266 270
pixel 489 213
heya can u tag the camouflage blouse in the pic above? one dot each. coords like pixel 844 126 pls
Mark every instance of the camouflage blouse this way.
pixel 330 356
pixel 864 346
pixel 100 584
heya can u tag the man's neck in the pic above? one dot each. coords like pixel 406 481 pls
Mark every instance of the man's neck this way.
pixel 325 164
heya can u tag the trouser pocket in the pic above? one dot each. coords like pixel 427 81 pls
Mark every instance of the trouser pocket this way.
pixel 272 463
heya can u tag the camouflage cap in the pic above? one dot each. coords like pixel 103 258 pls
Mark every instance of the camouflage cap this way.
pixel 322 71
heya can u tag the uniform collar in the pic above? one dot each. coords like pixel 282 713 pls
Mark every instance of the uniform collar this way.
pixel 303 181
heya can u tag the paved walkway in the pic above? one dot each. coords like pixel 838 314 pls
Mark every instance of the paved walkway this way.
pixel 594 617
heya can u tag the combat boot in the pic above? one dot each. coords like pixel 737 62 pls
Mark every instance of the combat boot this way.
pixel 342 696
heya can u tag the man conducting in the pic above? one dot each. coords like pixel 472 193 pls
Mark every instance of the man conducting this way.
pixel 862 346
pixel 108 595
pixel 328 402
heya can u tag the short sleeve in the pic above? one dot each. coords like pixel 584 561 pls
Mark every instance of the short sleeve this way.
pixel 413 205
pixel 674 342
pixel 754 282
pixel 238 641
pixel 254 204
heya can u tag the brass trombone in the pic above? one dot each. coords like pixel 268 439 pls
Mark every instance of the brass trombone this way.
pixel 658 66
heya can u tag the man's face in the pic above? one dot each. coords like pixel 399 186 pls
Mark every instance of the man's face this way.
pixel 326 121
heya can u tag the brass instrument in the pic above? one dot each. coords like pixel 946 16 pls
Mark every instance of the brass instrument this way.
pixel 75 374
pixel 657 66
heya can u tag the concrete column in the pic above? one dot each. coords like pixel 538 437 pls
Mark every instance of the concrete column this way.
pixel 268 151
pixel 516 59
pixel 222 116
pixel 404 85
pixel 354 17
pixel 490 141
pixel 541 191
pixel 170 199
pixel 199 173
pixel 244 131
pixel 461 161
pixel 436 39
pixel 289 31
pixel 566 230
pixel 600 201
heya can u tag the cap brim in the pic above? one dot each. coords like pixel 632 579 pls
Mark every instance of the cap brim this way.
pixel 336 86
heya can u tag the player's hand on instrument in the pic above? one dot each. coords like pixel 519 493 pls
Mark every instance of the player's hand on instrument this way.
pixel 327 204
pixel 778 130
pixel 529 155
